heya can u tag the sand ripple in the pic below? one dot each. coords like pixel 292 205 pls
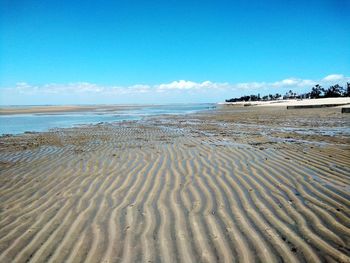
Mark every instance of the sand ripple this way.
pixel 148 194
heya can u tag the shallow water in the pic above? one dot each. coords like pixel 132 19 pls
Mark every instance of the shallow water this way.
pixel 20 123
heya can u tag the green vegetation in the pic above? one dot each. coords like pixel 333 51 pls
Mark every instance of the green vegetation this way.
pixel 316 92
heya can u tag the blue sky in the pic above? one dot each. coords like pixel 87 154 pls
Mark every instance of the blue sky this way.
pixel 50 49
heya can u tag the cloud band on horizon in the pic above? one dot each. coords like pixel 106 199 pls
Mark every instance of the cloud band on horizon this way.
pixel 176 91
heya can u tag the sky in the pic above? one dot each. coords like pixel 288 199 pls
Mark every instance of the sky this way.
pixel 137 51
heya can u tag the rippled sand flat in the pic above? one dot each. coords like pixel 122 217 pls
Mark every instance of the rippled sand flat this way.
pixel 232 185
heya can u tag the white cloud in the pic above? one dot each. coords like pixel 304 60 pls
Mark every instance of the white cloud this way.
pixel 181 84
pixel 333 77
pixel 190 85
pixel 181 90
pixel 285 83
pixel 293 83
pixel 119 90
pixel 250 85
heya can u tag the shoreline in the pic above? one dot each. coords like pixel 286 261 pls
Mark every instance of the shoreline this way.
pixel 19 109
pixel 36 119
pixel 293 102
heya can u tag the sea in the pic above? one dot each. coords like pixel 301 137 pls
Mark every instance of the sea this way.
pixel 39 122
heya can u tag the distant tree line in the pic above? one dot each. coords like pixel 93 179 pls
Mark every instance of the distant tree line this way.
pixel 316 92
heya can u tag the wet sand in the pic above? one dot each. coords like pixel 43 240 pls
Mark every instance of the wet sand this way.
pixel 43 109
pixel 232 185
pixel 55 109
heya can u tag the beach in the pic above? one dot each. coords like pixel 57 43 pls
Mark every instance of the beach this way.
pixel 234 184
pixel 316 103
